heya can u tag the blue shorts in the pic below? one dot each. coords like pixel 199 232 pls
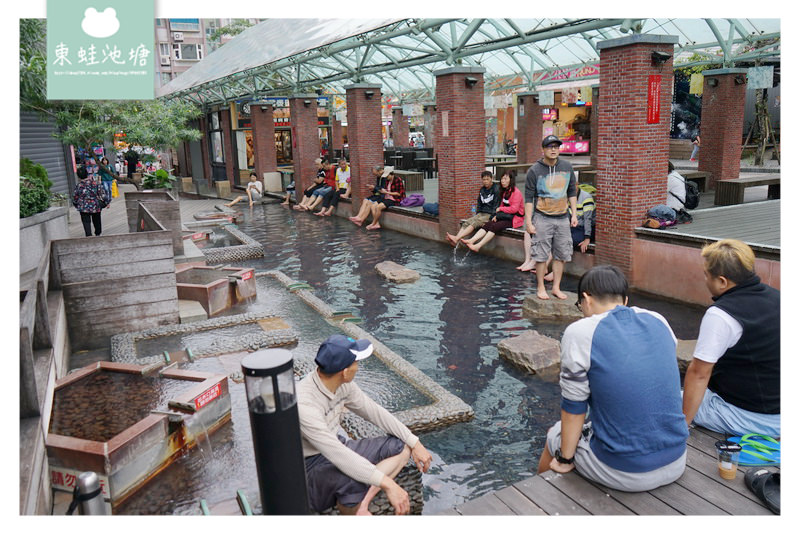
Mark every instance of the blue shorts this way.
pixel 718 415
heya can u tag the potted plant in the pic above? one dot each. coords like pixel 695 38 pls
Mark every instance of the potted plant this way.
pixel 160 179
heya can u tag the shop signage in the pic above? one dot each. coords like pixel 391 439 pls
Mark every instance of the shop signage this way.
pixel 654 99
pixel 322 101
pixel 65 478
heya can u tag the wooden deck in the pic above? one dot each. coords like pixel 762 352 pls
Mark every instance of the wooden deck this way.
pixel 699 491
pixel 756 223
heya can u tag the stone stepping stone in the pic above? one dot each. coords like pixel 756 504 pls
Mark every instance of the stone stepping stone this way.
pixel 552 309
pixel 397 273
pixel 531 351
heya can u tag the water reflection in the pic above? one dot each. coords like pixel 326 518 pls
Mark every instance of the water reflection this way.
pixel 447 324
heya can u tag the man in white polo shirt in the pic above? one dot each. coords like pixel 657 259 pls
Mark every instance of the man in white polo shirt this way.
pixel 345 472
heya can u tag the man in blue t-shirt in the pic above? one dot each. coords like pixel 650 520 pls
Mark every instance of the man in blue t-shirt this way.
pixel 618 365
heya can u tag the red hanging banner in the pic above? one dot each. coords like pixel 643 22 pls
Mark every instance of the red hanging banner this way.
pixel 654 99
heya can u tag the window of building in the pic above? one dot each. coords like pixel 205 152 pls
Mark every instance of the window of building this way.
pixel 193 52
pixel 163 49
pixel 184 24
pixel 165 78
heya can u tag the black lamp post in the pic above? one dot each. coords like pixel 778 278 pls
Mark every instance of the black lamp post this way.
pixel 272 402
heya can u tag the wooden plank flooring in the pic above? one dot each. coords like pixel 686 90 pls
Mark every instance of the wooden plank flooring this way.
pixel 699 491
pixel 757 222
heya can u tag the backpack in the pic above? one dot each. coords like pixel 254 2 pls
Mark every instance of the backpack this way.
pixel 692 194
pixel 412 200
pixel 431 209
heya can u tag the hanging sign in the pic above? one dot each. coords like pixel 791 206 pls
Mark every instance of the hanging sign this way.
pixel 654 99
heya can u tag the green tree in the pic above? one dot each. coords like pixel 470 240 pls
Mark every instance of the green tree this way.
pixel 233 29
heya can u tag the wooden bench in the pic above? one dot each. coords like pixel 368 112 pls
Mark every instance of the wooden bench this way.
pixel 699 177
pixel 731 192
pixel 413 180
pixel 521 168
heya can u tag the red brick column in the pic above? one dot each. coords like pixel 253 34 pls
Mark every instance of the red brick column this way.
pixel 399 127
pixel 429 130
pixel 204 142
pixel 305 140
pixel 529 128
pixel 460 142
pixel 364 137
pixel 227 145
pixel 336 134
pixel 266 159
pixel 593 126
pixel 632 155
pixel 722 120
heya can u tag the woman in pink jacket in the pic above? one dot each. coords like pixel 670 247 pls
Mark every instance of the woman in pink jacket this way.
pixel 508 215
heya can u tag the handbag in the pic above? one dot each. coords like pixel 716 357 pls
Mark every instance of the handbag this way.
pixel 502 215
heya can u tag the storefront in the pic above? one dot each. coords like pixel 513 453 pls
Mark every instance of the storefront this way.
pixel 570 119
pixel 283 131
pixel 215 149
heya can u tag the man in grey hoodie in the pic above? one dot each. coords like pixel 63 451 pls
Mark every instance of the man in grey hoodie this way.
pixel 550 189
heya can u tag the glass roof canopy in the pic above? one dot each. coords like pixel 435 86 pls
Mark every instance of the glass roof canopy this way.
pixel 280 57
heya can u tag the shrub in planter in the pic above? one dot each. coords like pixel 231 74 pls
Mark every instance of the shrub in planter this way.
pixel 33 196
pixel 160 179
pixel 34 188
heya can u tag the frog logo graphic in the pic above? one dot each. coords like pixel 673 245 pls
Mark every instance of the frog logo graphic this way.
pixel 100 25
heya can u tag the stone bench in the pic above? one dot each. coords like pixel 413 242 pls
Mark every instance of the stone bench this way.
pixel 731 192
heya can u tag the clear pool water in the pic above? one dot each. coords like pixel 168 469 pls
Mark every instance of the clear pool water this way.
pixel 447 324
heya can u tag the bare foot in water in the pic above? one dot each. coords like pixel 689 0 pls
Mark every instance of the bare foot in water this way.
pixel 355 220
pixel 525 267
pixel 374 226
pixel 558 294
pixel 542 295
pixel 471 246
pixel 451 239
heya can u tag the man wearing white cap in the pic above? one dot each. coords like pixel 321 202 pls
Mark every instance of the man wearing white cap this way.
pixel 344 472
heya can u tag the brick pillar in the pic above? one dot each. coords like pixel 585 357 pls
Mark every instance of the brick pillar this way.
pixel 364 137
pixel 529 127
pixel 722 120
pixel 399 127
pixel 429 129
pixel 227 145
pixel 460 142
pixel 204 147
pixel 336 134
pixel 632 155
pixel 509 123
pixel 593 126
pixel 266 159
pixel 305 140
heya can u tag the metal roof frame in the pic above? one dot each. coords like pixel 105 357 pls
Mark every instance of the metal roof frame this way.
pixel 402 54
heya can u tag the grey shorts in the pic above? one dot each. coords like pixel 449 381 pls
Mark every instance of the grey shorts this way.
pixel 553 236
pixel 589 466
pixel 328 485
pixel 255 195
pixel 476 221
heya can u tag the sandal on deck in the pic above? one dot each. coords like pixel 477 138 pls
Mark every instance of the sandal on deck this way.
pixel 758 450
pixel 767 486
